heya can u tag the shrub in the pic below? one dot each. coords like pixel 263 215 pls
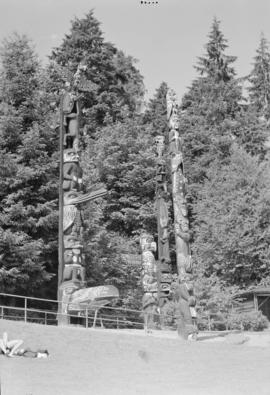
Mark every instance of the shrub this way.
pixel 212 321
pixel 167 312
pixel 202 323
pixel 251 321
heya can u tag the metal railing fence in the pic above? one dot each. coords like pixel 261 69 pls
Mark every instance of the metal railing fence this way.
pixel 17 307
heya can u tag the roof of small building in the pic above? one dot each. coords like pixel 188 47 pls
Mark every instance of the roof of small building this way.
pixel 133 259
pixel 254 291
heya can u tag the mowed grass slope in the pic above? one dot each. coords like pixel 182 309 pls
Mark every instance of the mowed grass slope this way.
pixel 100 362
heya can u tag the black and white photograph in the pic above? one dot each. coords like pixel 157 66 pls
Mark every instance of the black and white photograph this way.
pixel 134 197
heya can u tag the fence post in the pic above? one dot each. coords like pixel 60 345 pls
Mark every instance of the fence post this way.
pixel 86 318
pixel 25 309
pixel 209 322
pixel 45 318
pixel 95 319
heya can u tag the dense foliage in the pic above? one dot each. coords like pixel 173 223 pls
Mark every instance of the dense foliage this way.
pixel 228 181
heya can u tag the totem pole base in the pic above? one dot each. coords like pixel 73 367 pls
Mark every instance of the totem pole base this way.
pixel 181 330
pixel 64 294
pixel 63 320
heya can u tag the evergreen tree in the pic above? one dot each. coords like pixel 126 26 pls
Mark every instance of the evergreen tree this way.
pixel 259 91
pixel 251 126
pixel 215 64
pixel 251 131
pixel 28 198
pixel 209 109
pixel 156 111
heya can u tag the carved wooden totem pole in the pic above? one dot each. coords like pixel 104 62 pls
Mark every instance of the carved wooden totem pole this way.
pixel 71 273
pixel 164 261
pixel 184 291
pixel 149 280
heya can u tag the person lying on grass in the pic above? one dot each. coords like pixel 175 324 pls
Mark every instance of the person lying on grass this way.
pixel 32 354
pixel 9 347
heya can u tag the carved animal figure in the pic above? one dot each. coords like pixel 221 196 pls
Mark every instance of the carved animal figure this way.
pixel 184 300
pixel 150 310
pixel 72 171
pixel 74 272
pixel 71 119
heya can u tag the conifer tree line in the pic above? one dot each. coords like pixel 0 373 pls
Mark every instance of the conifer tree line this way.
pixel 225 133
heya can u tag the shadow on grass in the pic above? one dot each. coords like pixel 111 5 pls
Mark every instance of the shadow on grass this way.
pixel 217 334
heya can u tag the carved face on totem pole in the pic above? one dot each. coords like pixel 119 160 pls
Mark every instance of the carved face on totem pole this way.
pixel 180 208
pixel 161 182
pixel 147 243
pixel 71 156
pixel 184 262
pixel 70 196
pixel 149 282
pixel 166 278
pixel 71 121
pixel 171 102
pixel 73 255
pixel 174 120
pixel 72 241
pixel 68 99
pixel 78 75
pixel 182 231
pixel 148 261
pixel 72 172
pixel 74 272
pixel 175 145
pixel 160 145
pixel 184 224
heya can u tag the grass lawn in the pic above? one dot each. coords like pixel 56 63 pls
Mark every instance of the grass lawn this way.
pixel 101 362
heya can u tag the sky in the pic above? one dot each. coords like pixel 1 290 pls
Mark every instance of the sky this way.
pixel 165 36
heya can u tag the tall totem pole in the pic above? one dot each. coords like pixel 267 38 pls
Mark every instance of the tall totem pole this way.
pixel 184 291
pixel 164 261
pixel 149 280
pixel 71 272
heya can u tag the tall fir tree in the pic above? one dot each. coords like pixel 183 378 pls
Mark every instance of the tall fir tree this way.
pixel 209 107
pixel 28 206
pixel 252 121
pixel 156 111
pixel 216 64
pixel 259 78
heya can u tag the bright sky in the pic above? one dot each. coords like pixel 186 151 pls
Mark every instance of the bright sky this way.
pixel 166 38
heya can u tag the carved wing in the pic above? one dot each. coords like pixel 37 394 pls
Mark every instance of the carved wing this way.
pixel 84 198
pixel 68 103
pixel 163 215
pixel 70 212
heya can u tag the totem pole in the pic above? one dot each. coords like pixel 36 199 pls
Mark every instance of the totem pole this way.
pixel 184 291
pixel 71 273
pixel 164 261
pixel 149 280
